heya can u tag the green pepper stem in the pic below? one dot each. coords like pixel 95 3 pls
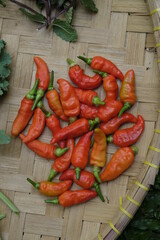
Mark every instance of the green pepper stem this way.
pixel 9 203
pixel 103 74
pixel 97 101
pixel 96 186
pixel 35 185
pixel 50 86
pixel 71 62
pixel 126 106
pixel 86 60
pixel 109 139
pixel 92 142
pixel 77 171
pixel 96 171
pixel 31 94
pixel 134 149
pixel 2 216
pixel 72 119
pixel 40 94
pixel 40 105
pixel 52 174
pixel 54 201
pixel 93 123
pixel 60 151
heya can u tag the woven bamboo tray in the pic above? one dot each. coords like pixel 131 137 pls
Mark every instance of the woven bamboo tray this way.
pixel 123 32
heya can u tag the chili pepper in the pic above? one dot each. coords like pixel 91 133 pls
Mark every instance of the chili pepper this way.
pixel 62 163
pixel 75 129
pixel 81 152
pixel 43 75
pixel 120 161
pixel 104 65
pixel 112 125
pixel 128 136
pixel 86 180
pixel 25 113
pixel 51 189
pixel 110 110
pixel 2 216
pixel 69 99
pixel 98 153
pixel 54 100
pixel 45 150
pixel 9 203
pixel 110 86
pixel 77 76
pixel 127 92
pixel 89 112
pixel 70 198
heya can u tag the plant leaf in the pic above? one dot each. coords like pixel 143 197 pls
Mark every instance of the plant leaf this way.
pixel 2 3
pixel 5 60
pixel 34 17
pixel 69 15
pixel 2 45
pixel 4 139
pixel 90 5
pixel 64 30
pixel 40 4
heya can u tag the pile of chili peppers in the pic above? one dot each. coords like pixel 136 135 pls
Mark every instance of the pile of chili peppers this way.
pixel 96 122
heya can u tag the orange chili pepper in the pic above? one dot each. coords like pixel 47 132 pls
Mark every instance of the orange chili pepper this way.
pixel 89 112
pixel 127 92
pixel 98 153
pixel 120 161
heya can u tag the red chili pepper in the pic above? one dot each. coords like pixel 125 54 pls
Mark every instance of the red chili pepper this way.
pixel 43 75
pixel 120 161
pixel 89 112
pixel 127 92
pixel 44 150
pixel 104 65
pixel 110 110
pixel 112 125
pixel 70 198
pixel 82 80
pixel 81 152
pixel 25 112
pixel 51 189
pixel 128 136
pixel 75 129
pixel 62 163
pixel 86 180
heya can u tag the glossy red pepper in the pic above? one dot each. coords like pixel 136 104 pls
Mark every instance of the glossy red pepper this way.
pixel 89 112
pixel 128 136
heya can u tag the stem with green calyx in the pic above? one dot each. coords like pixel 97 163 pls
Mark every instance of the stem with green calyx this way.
pixel 110 138
pixel 96 171
pixel 54 201
pixel 60 151
pixel 39 95
pixel 2 216
pixel 50 86
pixel 52 174
pixel 96 186
pixel 93 123
pixel 31 94
pixel 35 184
pixel 77 171
pixel 40 105
pixel 86 60
pixel 103 74
pixel 97 101
pixel 71 62
pixel 72 119
pixel 9 203
pixel 126 106
pixel 134 149
pixel 92 142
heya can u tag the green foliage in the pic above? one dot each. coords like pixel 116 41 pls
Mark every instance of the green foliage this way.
pixel 2 3
pixel 37 17
pixel 69 15
pixel 90 5
pixel 4 139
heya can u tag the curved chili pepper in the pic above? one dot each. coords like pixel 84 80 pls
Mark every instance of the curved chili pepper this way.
pixel 127 92
pixel 112 125
pixel 120 161
pixel 43 75
pixel 89 112
pixel 54 100
pixel 86 180
pixel 70 198
pixel 62 163
pixel 69 99
pixel 110 86
pixel 77 76
pixel 25 111
pixel 75 129
pixel 104 65
pixel 51 189
pixel 88 97
pixel 128 136
pixel 81 152
pixel 44 150
pixel 110 110
pixel 98 153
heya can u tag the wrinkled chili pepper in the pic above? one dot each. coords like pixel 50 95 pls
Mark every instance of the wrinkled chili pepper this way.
pixel 127 92
pixel 128 136
pixel 120 161
pixel 62 163
pixel 89 112
pixel 81 153
pixel 51 189
pixel 25 111
pixel 54 100
pixel 110 110
pixel 112 125
pixel 104 65
pixel 86 180
pixel 98 156
pixel 75 129
pixel 45 150
pixel 43 75
pixel 77 76
pixel 70 198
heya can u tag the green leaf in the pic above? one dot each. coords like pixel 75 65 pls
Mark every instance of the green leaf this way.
pixel 90 5
pixel 69 15
pixel 2 216
pixel 34 17
pixel 147 224
pixel 2 3
pixel 4 139
pixel 64 30
pixel 5 60
pixel 40 4
pixel 2 45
